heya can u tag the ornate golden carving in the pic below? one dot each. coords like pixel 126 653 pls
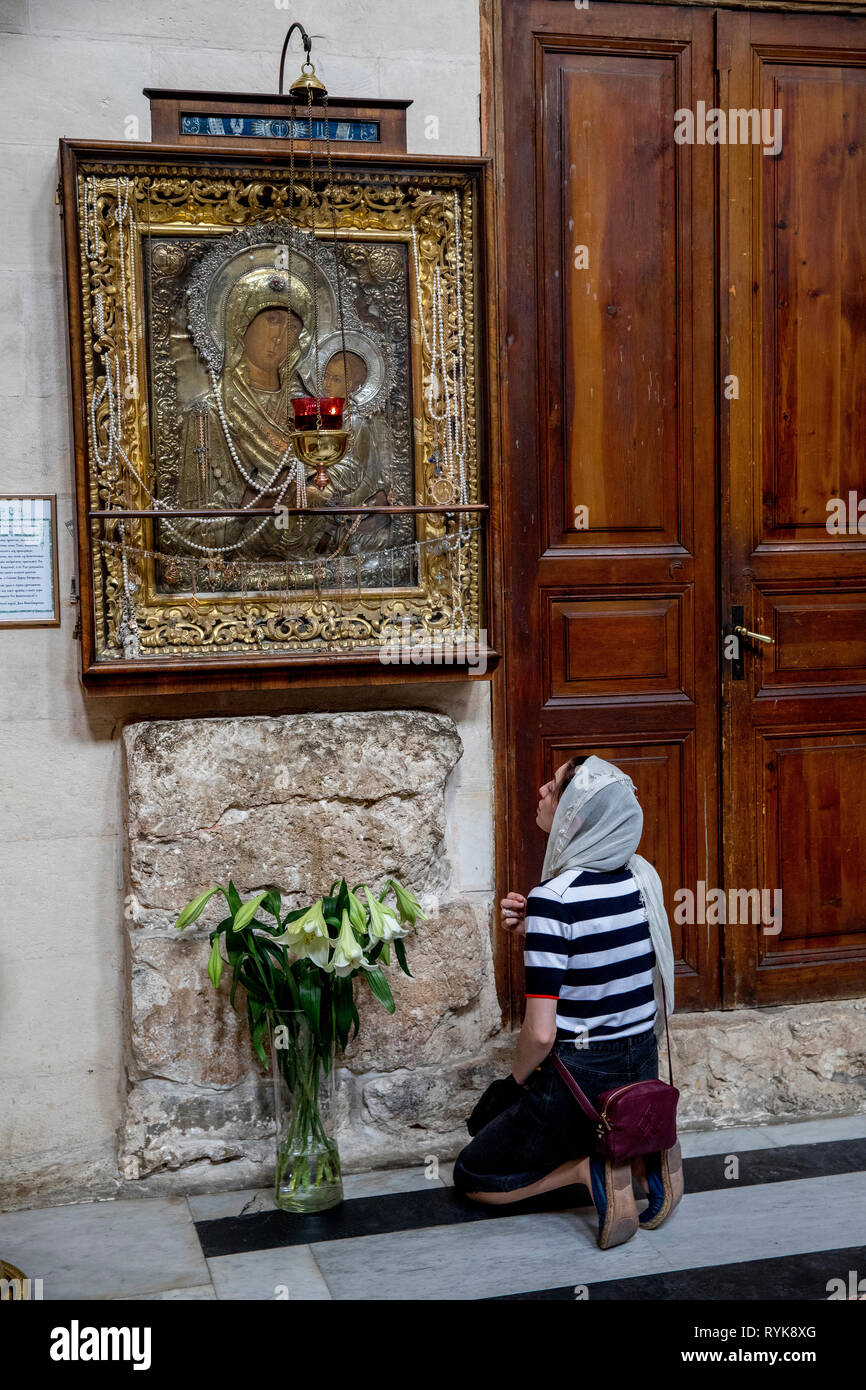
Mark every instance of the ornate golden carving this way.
pixel 319 604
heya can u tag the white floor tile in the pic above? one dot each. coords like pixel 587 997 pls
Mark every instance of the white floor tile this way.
pixel 523 1253
pixel 99 1250
pixel 291 1275
pixel 818 1131
pixel 201 1293
pixel 481 1259
pixel 211 1206
pixel 729 1225
pixel 384 1180
pixel 736 1139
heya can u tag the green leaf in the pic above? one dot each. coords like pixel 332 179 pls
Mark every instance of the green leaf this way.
pixel 257 1033
pixel 294 915
pixel 310 990
pixel 194 909
pixel 273 902
pixel 215 964
pixel 247 911
pixel 380 987
pixel 386 951
pixel 234 897
pixel 400 950
pixel 344 1008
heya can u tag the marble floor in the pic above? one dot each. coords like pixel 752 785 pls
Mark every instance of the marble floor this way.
pixel 770 1213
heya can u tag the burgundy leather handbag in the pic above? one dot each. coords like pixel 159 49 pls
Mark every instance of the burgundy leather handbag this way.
pixel 639 1118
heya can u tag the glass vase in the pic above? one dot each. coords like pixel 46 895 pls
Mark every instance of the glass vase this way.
pixel 308 1176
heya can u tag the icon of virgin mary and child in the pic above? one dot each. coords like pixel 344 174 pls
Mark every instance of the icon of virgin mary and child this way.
pixel 235 444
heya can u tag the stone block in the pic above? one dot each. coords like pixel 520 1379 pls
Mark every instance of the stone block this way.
pixel 752 1065
pixel 446 90
pixel 300 847
pixel 31 230
pixel 13 16
pixel 367 27
pixel 182 1028
pixel 446 1009
pixel 12 335
pixel 187 774
pixel 170 1127
pixel 65 779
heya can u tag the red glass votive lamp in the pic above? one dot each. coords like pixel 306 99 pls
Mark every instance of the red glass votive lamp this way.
pixel 331 408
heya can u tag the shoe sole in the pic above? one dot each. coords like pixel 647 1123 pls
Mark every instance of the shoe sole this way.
pixel 621 1219
pixel 672 1177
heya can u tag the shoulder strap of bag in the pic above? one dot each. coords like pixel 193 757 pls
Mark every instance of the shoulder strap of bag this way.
pixel 578 1094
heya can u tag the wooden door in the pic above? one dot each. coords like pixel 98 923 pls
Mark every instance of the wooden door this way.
pixel 793 304
pixel 682 366
pixel 607 372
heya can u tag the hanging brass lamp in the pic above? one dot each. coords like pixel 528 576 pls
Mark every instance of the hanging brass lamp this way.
pixel 320 437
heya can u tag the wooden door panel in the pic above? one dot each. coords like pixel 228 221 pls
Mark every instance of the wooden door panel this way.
pixel 612 323
pixel 793 266
pixel 632 645
pixel 814 787
pixel 810 268
pixel 608 386
pixel 820 639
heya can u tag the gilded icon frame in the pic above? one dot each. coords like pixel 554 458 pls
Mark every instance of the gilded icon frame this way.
pixel 176 193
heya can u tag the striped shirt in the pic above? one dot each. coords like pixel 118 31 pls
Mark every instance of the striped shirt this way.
pixel 588 946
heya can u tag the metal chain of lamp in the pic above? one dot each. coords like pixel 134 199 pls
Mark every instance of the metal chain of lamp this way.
pixel 322 426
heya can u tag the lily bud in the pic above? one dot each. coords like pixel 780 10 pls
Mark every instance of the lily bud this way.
pixel 410 908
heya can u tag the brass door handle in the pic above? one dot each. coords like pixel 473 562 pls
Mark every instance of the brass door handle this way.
pixel 759 636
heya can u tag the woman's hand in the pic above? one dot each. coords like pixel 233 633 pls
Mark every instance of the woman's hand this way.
pixel 514 913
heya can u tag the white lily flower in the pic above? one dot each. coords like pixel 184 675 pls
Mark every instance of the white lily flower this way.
pixel 384 925
pixel 308 936
pixel 348 954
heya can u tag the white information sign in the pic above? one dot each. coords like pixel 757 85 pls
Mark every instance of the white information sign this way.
pixel 28 570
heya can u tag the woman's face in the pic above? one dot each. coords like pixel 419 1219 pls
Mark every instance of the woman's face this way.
pixel 272 334
pixel 548 800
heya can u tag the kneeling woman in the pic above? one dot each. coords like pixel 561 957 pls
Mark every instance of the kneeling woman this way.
pixel 597 949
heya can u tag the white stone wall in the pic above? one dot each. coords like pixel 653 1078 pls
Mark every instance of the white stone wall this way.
pixel 76 68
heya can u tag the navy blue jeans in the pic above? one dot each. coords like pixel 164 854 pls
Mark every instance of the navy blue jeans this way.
pixel 547 1127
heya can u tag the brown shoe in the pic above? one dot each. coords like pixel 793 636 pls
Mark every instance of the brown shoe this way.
pixel 660 1176
pixel 614 1202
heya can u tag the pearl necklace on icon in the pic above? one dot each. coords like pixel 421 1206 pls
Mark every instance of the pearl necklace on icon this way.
pixel 445 394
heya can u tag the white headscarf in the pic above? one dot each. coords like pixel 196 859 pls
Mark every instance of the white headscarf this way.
pixel 598 825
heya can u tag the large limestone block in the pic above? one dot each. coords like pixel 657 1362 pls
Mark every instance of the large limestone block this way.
pixel 293 801
pixel 751 1065
pixel 301 847
pixel 187 774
